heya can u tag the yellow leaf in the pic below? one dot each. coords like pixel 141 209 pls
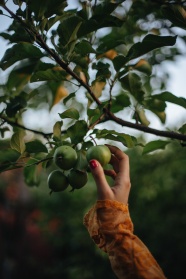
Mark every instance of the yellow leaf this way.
pixel 83 77
pixel 143 66
pixel 61 93
pixel 110 54
pixel 97 88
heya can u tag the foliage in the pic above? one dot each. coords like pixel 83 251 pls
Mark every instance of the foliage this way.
pixel 157 204
pixel 92 65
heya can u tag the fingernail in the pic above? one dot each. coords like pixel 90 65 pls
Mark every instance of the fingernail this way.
pixel 93 164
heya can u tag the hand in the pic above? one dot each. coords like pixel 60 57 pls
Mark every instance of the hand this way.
pixel 120 173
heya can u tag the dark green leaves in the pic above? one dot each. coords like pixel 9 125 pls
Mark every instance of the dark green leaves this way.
pixel 67 30
pixel 48 75
pixel 176 14
pixel 149 43
pixel 19 52
pixel 46 8
pixel 120 102
pixel 78 131
pixel 35 147
pixel 84 47
pixel 31 174
pixel 133 84
pixel 70 113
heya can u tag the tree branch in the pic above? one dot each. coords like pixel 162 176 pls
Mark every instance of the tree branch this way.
pixel 167 134
pixel 110 116
pixel 15 124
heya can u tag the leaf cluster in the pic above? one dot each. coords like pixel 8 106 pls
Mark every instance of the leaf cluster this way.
pixel 94 65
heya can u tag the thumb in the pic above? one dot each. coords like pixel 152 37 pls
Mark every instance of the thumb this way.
pixel 100 179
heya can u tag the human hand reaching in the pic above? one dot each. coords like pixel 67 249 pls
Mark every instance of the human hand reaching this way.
pixel 120 173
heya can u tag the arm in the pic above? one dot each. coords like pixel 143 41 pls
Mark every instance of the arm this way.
pixel 111 228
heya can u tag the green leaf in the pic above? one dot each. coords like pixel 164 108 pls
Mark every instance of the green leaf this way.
pixel 19 52
pixel 169 97
pixel 154 145
pixel 20 75
pixel 132 83
pixel 154 104
pixel 70 96
pixel 103 71
pixel 57 129
pixel 93 115
pixel 125 139
pixel 35 146
pixel 84 47
pixel 119 62
pixel 78 131
pixel 142 117
pixel 48 75
pixel 70 113
pixel 107 7
pixel 17 142
pixel 30 172
pixel 109 42
pixel 18 2
pixel 54 7
pixel 8 159
pixel 120 102
pixel 15 105
pixel 51 21
pixel 176 14
pixel 149 43
pixel 97 22
pixel 82 163
pixel 68 28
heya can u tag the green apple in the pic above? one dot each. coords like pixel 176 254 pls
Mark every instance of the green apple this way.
pixel 77 178
pixel 65 157
pixel 101 153
pixel 57 181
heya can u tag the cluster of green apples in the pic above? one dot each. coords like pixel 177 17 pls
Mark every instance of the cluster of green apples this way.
pixel 68 173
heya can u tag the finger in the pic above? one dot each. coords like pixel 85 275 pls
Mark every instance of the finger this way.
pixel 100 179
pixel 110 173
pixel 114 162
pixel 123 174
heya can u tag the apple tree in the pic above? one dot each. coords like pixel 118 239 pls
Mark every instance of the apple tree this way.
pixel 97 66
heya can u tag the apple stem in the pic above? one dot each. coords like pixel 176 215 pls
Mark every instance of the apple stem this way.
pixel 93 140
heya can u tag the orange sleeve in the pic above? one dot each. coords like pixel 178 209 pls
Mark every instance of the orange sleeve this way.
pixel 109 225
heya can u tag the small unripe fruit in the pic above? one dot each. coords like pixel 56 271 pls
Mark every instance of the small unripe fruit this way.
pixel 57 181
pixel 65 157
pixel 101 153
pixel 77 179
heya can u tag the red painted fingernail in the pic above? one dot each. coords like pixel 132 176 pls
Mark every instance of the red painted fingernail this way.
pixel 93 164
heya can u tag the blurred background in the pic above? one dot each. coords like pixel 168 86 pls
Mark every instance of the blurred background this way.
pixel 43 236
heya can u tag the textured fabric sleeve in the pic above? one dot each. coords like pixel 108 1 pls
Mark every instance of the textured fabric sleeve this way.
pixel 109 225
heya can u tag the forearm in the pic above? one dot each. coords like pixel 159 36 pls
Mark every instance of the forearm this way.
pixel 110 226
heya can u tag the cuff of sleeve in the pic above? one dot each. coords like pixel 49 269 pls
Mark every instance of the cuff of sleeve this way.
pixel 105 218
